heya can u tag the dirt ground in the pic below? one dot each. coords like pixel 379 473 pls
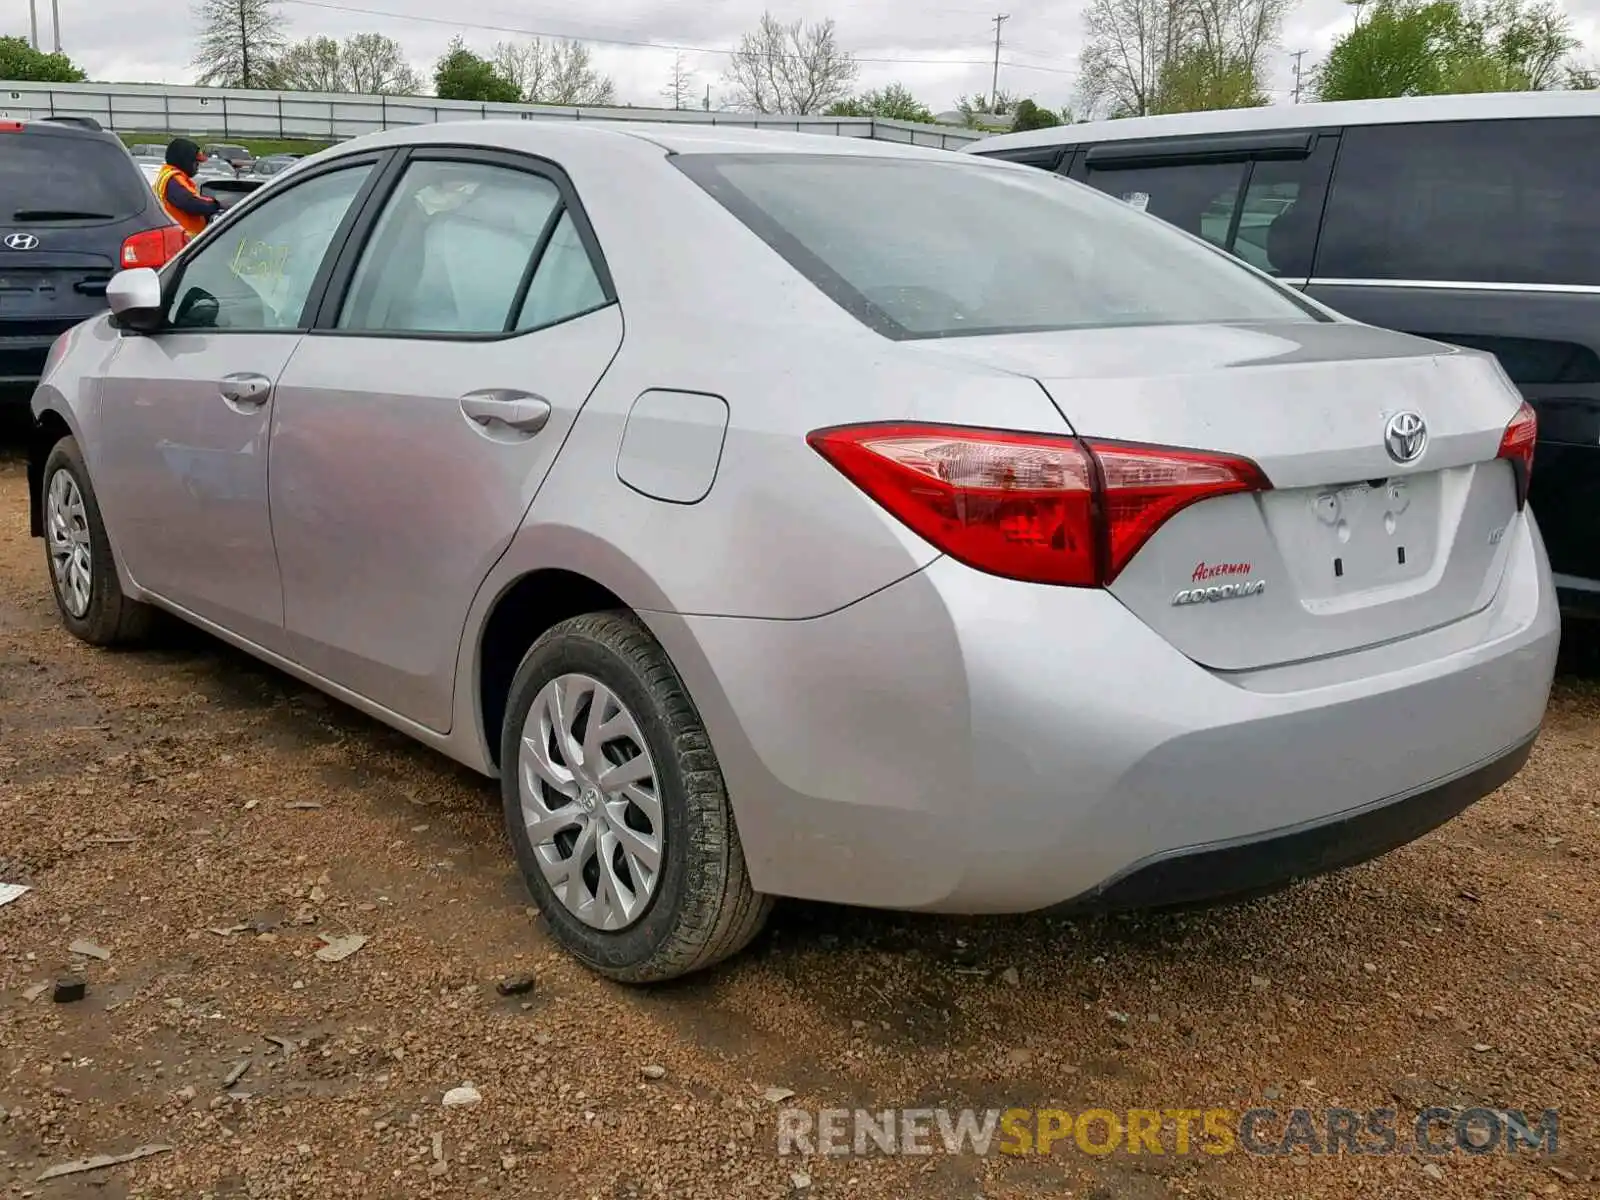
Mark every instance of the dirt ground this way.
pixel 203 820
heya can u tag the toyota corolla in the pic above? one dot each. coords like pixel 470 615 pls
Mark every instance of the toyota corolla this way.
pixel 777 515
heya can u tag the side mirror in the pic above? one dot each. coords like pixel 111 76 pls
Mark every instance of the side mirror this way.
pixel 134 297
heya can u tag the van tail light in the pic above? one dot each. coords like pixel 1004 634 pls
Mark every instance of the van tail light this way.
pixel 1043 508
pixel 1517 443
pixel 153 247
pixel 11 126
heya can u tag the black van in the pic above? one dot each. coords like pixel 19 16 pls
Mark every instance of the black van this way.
pixel 74 208
pixel 1466 219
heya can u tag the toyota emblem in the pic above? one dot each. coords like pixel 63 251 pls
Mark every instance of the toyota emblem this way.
pixel 21 241
pixel 1405 436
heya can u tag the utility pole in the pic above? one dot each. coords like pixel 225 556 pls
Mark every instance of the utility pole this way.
pixel 55 21
pixel 1298 55
pixel 997 20
pixel 708 98
pixel 33 21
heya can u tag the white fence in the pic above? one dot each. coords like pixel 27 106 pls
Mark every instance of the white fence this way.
pixel 222 113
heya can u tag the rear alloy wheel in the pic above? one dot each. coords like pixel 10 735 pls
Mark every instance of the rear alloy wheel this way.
pixel 616 807
pixel 83 574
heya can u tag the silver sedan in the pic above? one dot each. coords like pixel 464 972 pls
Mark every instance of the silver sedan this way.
pixel 778 515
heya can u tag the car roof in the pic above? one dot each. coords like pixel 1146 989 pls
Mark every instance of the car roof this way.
pixel 68 129
pixel 1487 106
pixel 550 136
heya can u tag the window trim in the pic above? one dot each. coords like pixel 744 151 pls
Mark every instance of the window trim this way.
pixel 378 163
pixel 342 275
pixel 1200 148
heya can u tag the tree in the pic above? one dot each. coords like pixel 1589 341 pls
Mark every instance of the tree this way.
pixel 367 63
pixel 375 65
pixel 314 65
pixel 19 60
pixel 679 84
pixel 987 112
pixel 552 72
pixel 1147 56
pixel 1030 116
pixel 462 75
pixel 1579 78
pixel 1417 48
pixel 892 103
pixel 796 68
pixel 240 40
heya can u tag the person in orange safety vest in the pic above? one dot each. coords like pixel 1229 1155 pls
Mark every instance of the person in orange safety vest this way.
pixel 177 191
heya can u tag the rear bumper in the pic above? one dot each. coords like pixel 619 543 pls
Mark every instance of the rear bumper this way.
pixel 961 743
pixel 1261 864
pixel 22 360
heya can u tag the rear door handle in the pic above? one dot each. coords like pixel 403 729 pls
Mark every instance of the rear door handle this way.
pixel 522 411
pixel 245 389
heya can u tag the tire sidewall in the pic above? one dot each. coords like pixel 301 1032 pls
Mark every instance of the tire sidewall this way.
pixel 562 652
pixel 104 590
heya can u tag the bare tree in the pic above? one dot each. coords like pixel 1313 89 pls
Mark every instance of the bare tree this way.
pixel 553 72
pixel 368 63
pixel 796 68
pixel 1144 56
pixel 239 41
pixel 375 65
pixel 680 84
pixel 314 65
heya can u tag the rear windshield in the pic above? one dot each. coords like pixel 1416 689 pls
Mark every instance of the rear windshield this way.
pixel 88 178
pixel 919 248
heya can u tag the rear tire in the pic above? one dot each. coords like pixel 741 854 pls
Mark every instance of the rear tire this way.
pixel 83 574
pixel 677 895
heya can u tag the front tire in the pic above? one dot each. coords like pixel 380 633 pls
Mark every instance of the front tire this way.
pixel 616 807
pixel 83 574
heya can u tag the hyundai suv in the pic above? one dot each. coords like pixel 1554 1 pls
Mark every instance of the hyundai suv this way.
pixel 74 208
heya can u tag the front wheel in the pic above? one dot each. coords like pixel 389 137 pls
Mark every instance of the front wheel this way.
pixel 83 574
pixel 616 807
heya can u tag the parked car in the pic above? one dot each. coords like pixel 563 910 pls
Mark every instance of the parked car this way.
pixel 236 157
pixel 73 209
pixel 273 164
pixel 1391 212
pixel 867 561
pixel 148 151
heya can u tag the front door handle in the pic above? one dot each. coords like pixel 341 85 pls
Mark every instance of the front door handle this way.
pixel 522 411
pixel 245 389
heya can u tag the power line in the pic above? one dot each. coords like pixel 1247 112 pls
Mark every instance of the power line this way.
pixel 637 44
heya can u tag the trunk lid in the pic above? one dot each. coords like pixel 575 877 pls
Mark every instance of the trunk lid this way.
pixel 1351 548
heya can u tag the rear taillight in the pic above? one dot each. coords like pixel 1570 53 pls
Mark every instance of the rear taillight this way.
pixel 11 126
pixel 1517 443
pixel 1030 506
pixel 153 247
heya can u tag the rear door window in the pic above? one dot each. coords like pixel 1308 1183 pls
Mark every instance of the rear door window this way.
pixel 1282 208
pixel 1508 201
pixel 45 173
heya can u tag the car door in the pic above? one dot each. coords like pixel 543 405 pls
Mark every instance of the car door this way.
pixel 417 420
pixel 186 411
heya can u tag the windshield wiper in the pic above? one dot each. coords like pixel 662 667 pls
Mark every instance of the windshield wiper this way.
pixel 57 214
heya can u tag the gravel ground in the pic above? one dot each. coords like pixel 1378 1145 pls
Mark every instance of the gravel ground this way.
pixel 204 821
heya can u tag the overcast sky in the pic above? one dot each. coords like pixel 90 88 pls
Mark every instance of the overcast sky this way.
pixel 940 52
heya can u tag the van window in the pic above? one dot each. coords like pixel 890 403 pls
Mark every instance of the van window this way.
pixel 1197 197
pixel 1509 201
pixel 1279 217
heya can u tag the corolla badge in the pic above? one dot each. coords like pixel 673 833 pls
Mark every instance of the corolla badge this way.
pixel 21 241
pixel 1220 591
pixel 1405 437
